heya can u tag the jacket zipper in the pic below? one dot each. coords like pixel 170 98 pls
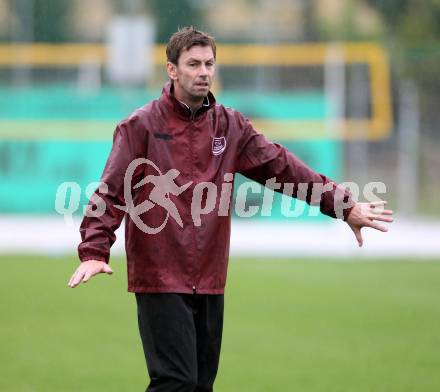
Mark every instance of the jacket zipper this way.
pixel 192 117
pixel 193 114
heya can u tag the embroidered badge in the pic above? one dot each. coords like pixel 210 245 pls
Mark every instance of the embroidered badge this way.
pixel 164 136
pixel 218 145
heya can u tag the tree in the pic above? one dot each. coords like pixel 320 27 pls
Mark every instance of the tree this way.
pixel 171 14
pixel 40 20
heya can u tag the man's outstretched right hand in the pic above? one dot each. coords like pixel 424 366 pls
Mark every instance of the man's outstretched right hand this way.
pixel 87 269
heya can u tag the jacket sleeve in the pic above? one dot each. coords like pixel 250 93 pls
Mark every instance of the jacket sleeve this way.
pixel 98 230
pixel 260 160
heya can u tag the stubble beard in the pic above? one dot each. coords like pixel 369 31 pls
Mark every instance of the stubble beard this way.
pixel 196 95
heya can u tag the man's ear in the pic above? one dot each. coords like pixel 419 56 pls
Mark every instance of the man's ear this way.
pixel 171 70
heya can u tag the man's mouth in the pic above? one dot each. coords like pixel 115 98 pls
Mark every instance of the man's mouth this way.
pixel 202 84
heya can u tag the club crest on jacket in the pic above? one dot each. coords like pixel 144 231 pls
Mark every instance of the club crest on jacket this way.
pixel 218 145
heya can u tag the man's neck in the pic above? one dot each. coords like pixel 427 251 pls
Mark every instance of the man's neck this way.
pixel 194 105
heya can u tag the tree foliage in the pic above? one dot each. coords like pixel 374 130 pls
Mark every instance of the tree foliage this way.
pixel 411 21
pixel 40 20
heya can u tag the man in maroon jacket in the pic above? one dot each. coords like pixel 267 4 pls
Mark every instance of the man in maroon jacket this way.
pixel 168 159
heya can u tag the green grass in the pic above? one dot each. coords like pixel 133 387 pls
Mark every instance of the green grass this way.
pixel 290 325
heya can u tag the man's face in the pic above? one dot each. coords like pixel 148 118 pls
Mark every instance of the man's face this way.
pixel 194 73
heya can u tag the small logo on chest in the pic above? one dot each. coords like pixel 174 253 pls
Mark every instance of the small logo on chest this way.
pixel 218 145
pixel 164 136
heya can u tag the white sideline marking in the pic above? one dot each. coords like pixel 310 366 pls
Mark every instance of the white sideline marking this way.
pixel 406 238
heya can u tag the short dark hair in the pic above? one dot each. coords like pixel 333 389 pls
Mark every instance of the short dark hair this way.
pixel 184 39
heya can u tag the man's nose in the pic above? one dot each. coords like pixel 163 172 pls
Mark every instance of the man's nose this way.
pixel 203 70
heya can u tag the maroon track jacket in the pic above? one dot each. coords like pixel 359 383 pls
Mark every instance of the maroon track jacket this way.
pixel 203 146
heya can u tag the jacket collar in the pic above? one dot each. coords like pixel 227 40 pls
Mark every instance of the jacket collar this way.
pixel 181 108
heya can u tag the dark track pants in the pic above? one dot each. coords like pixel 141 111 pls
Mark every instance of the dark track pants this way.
pixel 181 336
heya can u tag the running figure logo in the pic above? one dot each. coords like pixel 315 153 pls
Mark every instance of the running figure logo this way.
pixel 164 185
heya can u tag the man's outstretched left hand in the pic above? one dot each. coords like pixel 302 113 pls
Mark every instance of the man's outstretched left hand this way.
pixel 366 215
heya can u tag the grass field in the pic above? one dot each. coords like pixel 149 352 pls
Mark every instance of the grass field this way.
pixel 290 325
